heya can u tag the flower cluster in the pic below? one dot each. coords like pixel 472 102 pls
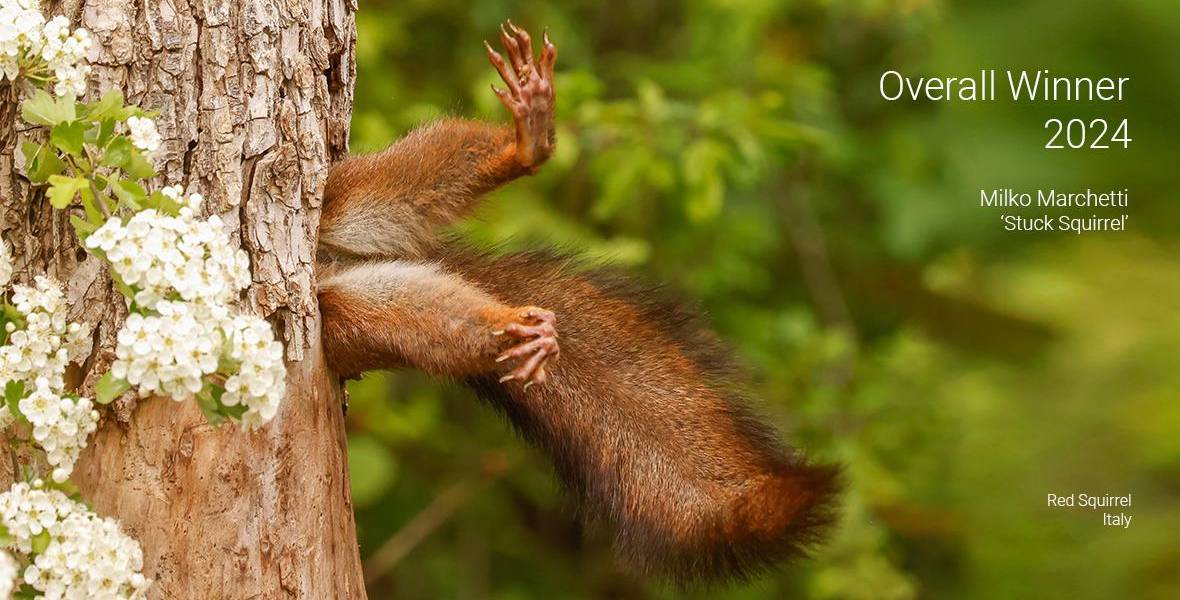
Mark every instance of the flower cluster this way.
pixel 21 24
pixel 260 381
pixel 71 552
pixel 46 343
pixel 144 134
pixel 173 354
pixel 184 273
pixel 40 345
pixel 65 54
pixel 31 46
pixel 168 257
pixel 170 353
pixel 61 425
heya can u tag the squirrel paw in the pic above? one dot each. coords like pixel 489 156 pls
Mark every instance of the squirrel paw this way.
pixel 530 93
pixel 535 328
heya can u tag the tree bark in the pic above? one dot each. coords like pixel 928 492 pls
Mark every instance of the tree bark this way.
pixel 254 99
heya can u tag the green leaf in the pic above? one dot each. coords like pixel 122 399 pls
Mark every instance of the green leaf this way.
pixel 139 167
pixel 163 203
pixel 5 537
pixel 620 181
pixel 216 392
pixel 209 401
pixel 66 487
pixel 48 165
pixel 118 152
pixel 209 409
pixel 13 392
pixel 14 315
pixel 43 109
pixel 130 193
pixel 109 106
pixel 30 150
pixel 706 185
pixel 93 214
pixel 82 227
pixel 68 137
pixel 123 288
pixel 106 131
pixel 41 542
pixel 109 388
pixel 234 412
pixel 62 189
pixel 42 164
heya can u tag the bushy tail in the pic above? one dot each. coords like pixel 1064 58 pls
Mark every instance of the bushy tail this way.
pixel 646 429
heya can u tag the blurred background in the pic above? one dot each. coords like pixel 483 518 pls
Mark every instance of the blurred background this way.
pixel 739 150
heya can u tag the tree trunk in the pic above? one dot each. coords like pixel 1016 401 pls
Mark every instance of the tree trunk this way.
pixel 253 98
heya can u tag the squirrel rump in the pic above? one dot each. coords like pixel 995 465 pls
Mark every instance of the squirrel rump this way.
pixel 631 396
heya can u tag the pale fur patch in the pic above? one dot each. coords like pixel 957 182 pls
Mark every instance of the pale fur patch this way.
pixel 373 229
pixel 382 281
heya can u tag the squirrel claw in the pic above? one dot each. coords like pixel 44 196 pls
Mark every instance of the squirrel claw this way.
pixel 530 92
pixel 535 327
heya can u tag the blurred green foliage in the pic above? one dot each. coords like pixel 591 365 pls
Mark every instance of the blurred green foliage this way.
pixel 739 150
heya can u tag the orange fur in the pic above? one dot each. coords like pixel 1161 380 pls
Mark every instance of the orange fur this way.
pixel 641 415
pixel 646 426
pixel 390 203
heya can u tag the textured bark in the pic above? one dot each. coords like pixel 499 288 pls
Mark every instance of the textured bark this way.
pixel 254 99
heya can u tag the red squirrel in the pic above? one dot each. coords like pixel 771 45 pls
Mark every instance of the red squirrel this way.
pixel 632 398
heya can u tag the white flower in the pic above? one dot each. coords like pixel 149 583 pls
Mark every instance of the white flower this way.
pixel 87 556
pixel 144 134
pixel 65 55
pixel 36 355
pixel 28 41
pixel 192 202
pixel 184 274
pixel 173 352
pixel 46 343
pixel 71 81
pixel 61 426
pixel 174 258
pixel 21 25
pixel 8 573
pixel 170 353
pixel 260 381
pixel 5 272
